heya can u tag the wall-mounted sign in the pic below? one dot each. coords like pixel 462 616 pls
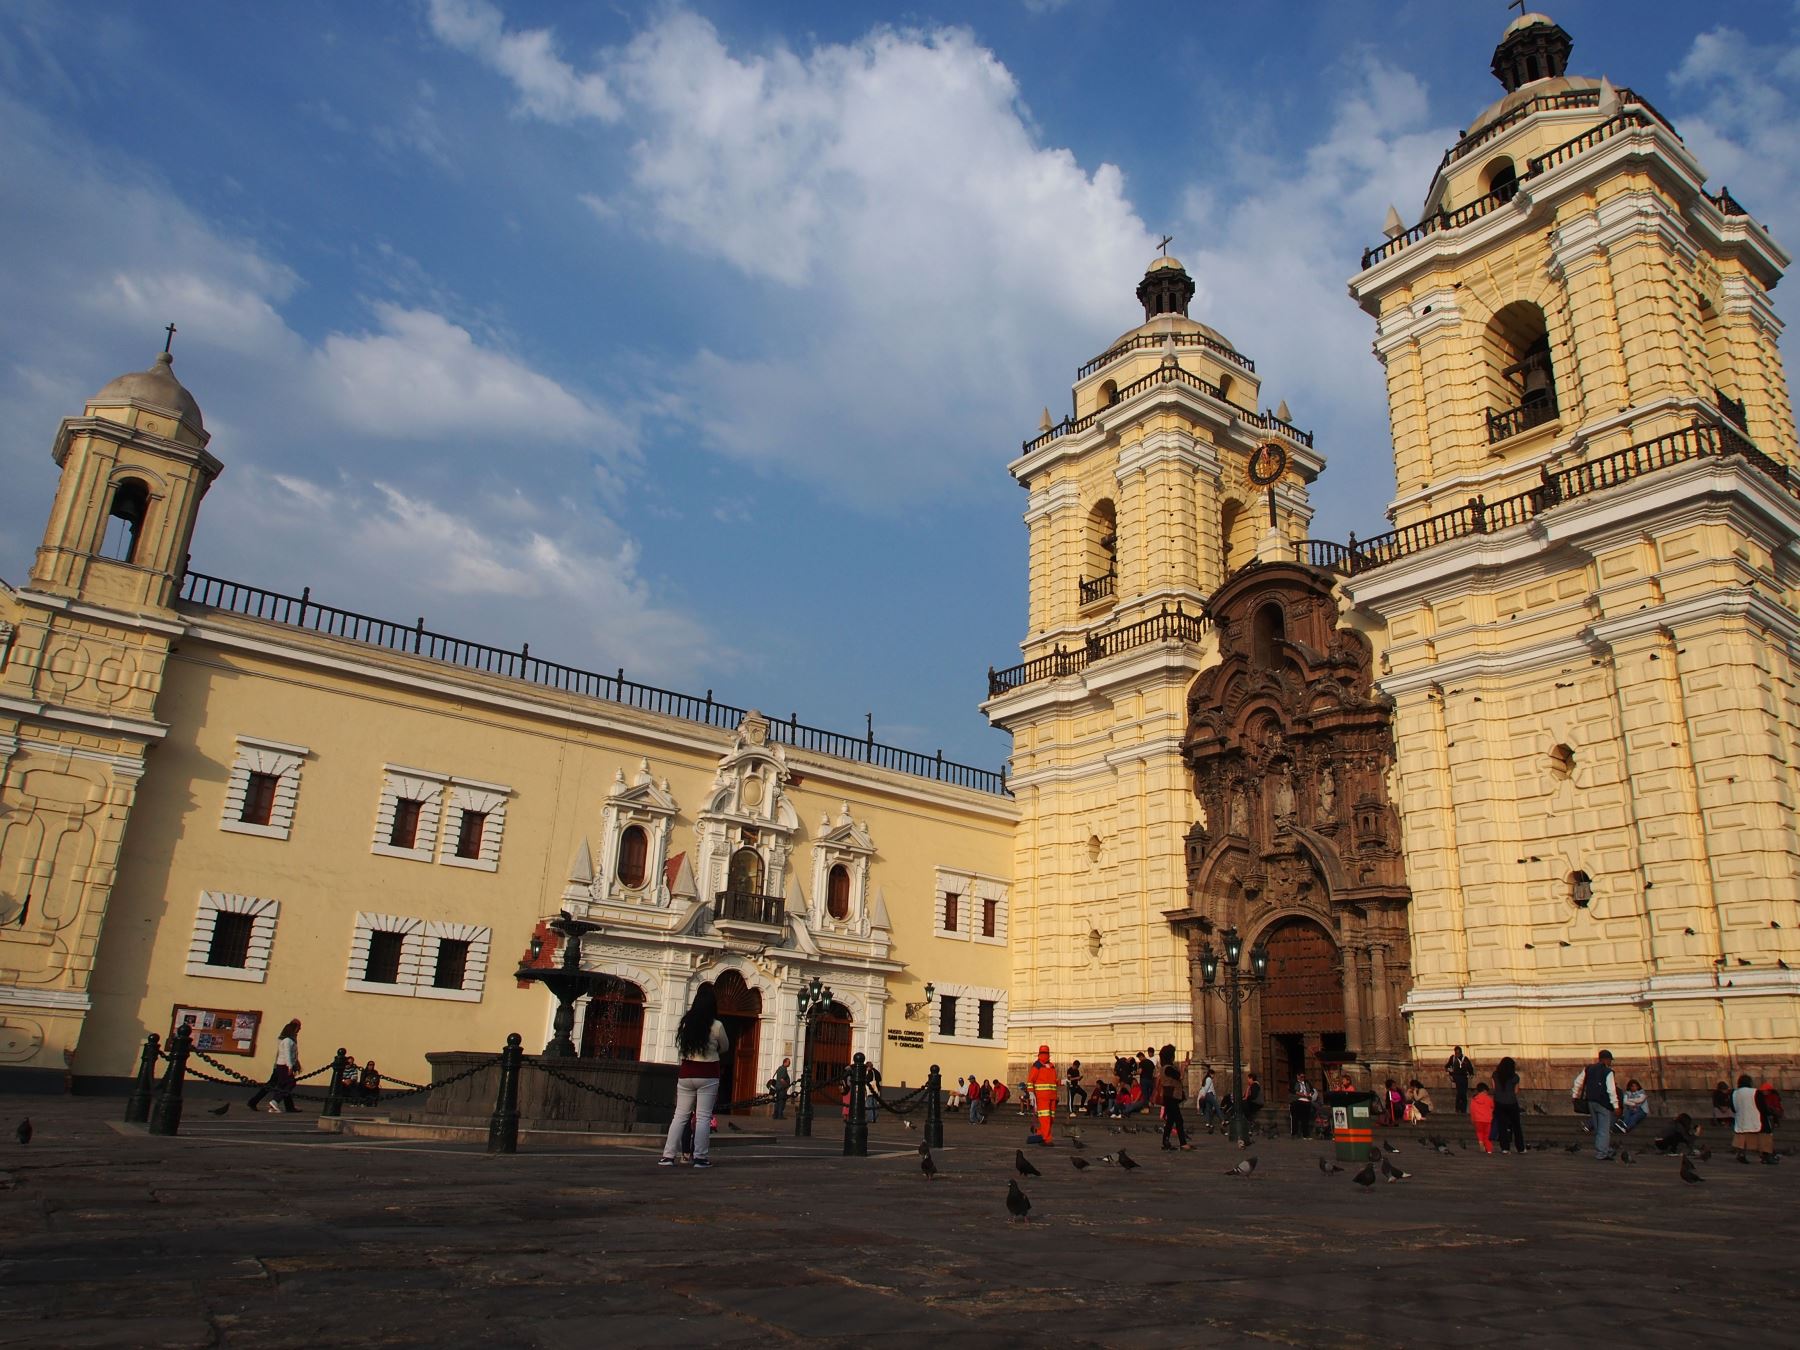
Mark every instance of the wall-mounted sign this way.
pixel 911 1040
pixel 218 1031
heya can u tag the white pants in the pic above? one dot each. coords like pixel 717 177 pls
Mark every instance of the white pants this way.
pixel 697 1097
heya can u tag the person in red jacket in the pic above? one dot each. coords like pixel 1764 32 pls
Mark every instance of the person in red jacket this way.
pixel 1042 1079
pixel 1481 1116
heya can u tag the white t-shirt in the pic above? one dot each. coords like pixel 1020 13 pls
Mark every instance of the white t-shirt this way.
pixel 1749 1119
pixel 717 1043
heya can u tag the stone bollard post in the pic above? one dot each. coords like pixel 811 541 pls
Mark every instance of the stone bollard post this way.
pixel 503 1129
pixel 334 1091
pixel 137 1105
pixel 856 1129
pixel 165 1111
pixel 934 1108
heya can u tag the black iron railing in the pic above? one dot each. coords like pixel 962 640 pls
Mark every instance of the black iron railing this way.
pixel 1099 588
pixel 1171 375
pixel 1169 625
pixel 1449 220
pixel 1511 421
pixel 1703 439
pixel 1583 98
pixel 302 611
pixel 1732 408
pixel 1145 341
pixel 749 907
pixel 1726 203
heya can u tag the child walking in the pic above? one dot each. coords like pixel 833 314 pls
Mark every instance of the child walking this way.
pixel 1481 1115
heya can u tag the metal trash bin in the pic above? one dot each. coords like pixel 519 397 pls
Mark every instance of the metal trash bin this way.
pixel 1353 1125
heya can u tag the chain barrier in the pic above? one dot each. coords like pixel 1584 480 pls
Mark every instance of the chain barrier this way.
pixel 725 1107
pixel 412 1089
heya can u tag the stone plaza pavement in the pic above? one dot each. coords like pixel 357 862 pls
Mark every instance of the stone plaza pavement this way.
pixel 257 1230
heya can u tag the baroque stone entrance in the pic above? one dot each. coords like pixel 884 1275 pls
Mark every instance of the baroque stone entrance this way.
pixel 1298 845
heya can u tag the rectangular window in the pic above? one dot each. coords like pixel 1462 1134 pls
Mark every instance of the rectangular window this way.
pixel 405 833
pixel 950 902
pixel 452 964
pixel 946 1006
pixel 984 1020
pixel 383 965
pixel 990 915
pixel 259 798
pixel 469 832
pixel 230 945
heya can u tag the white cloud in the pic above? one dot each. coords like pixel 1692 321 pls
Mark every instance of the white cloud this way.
pixel 548 86
pixel 421 377
pixel 1747 102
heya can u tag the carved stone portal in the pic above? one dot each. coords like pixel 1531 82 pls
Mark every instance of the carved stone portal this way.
pixel 1290 747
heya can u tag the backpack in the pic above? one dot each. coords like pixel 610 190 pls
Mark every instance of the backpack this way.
pixel 1174 1091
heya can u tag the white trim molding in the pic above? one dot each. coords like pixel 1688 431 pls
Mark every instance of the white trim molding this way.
pixel 468 796
pixel 474 978
pixel 281 762
pixel 403 784
pixel 412 952
pixel 263 914
pixel 969 999
pixel 974 888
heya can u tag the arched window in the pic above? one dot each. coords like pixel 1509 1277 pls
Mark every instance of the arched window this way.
pixel 1109 394
pixel 746 874
pixel 614 1025
pixel 837 892
pixel 1501 177
pixel 1225 387
pixel 634 851
pixel 1267 630
pixel 125 520
pixel 1520 376
pixel 1100 567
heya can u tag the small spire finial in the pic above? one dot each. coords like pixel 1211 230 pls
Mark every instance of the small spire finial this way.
pixel 1518 5
pixel 1164 243
pixel 169 341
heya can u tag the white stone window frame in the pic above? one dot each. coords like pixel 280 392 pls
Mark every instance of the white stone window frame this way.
pixel 849 845
pixel 421 785
pixel 257 755
pixel 480 940
pixel 412 952
pixel 263 913
pixel 971 890
pixel 646 803
pixel 969 998
pixel 467 794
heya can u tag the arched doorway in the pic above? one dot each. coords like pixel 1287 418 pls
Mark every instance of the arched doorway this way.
pixel 831 1052
pixel 614 1025
pixel 740 1009
pixel 1302 1004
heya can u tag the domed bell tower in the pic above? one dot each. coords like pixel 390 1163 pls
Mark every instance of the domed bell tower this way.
pixel 79 682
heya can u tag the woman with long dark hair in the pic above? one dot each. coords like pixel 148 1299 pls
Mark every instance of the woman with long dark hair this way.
pixel 1509 1125
pixel 1172 1088
pixel 702 1041
pixel 280 1087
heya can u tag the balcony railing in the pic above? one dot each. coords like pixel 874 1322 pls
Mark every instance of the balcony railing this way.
pixel 1170 375
pixel 1099 588
pixel 1175 625
pixel 1732 408
pixel 1701 440
pixel 1581 98
pixel 302 611
pixel 1146 341
pixel 1511 421
pixel 749 907
pixel 1539 164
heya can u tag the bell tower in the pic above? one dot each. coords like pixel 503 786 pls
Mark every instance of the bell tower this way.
pixel 1586 612
pixel 1164 478
pixel 82 652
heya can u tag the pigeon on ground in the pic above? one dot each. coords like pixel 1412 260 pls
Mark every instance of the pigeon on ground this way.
pixel 733 1127
pixel 23 1133
pixel 1126 1160
pixel 924 1148
pixel 1571 1148
pixel 1688 1174
pixel 218 1110
pixel 1366 1177
pixel 907 1123
pixel 1081 1164
pixel 1625 1156
pixel 1018 1204
pixel 1538 1110
pixel 1393 1173
pixel 1109 1158
pixel 928 1167
pixel 1387 1146
pixel 1463 1144
pixel 1706 1155
pixel 1443 1148
pixel 1243 1169
pixel 1328 1167
pixel 1076 1144
pixel 1024 1165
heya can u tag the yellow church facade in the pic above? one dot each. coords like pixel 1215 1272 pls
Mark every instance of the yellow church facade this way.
pixel 1518 774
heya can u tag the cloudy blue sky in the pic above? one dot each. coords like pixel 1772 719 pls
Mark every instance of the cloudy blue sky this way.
pixel 695 338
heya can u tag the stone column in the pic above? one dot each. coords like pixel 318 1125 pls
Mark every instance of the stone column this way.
pixel 1354 1032
pixel 1381 999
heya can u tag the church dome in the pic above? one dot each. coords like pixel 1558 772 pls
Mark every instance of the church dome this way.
pixel 156 388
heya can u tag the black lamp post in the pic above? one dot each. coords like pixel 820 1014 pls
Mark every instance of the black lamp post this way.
pixel 1237 990
pixel 814 999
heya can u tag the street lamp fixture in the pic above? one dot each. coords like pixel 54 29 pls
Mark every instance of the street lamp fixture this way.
pixel 915 1011
pixel 1239 988
pixel 813 998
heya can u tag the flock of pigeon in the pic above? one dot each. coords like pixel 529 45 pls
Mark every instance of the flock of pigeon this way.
pixel 1381 1168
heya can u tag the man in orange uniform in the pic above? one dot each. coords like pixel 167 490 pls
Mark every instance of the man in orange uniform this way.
pixel 1043 1082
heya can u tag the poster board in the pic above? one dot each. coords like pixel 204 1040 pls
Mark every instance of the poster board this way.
pixel 219 1031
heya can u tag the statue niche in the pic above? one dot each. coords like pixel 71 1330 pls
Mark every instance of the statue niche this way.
pixel 1290 746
